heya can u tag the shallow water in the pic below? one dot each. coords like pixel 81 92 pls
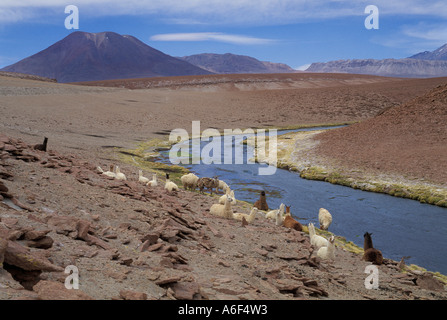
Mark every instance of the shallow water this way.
pixel 400 227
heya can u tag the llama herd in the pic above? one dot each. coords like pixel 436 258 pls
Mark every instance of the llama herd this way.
pixel 281 216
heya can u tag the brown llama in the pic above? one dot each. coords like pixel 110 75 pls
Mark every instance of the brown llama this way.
pixel 370 253
pixel 261 204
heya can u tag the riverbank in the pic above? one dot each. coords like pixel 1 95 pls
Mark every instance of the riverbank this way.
pixel 297 151
pixel 144 152
pixel 130 242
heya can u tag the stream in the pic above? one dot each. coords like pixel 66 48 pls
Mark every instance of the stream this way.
pixel 400 227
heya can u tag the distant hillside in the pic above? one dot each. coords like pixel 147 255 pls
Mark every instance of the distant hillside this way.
pixel 409 139
pixel 230 64
pixel 422 65
pixel 409 68
pixel 438 54
pixel 83 56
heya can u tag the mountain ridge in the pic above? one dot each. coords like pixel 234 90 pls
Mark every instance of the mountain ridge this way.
pixel 421 65
pixel 230 63
pixel 83 56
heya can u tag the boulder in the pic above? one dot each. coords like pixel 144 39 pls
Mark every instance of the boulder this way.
pixel 52 290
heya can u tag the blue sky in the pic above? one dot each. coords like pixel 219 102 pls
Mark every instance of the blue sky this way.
pixel 295 32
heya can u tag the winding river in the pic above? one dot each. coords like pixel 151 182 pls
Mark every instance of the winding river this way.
pixel 400 227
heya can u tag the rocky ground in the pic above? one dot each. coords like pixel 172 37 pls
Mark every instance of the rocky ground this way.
pixel 129 241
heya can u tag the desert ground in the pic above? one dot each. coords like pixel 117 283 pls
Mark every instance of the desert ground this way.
pixel 130 241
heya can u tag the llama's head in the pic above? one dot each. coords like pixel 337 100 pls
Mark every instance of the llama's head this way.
pixel 288 209
pixel 332 239
pixel 367 235
pixel 167 175
pixel 262 193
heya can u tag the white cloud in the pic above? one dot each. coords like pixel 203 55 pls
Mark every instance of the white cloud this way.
pixel 211 36
pixel 415 38
pixel 431 32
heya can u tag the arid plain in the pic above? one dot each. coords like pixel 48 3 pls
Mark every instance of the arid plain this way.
pixel 200 256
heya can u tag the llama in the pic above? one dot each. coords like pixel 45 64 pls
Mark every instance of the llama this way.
pixel 223 186
pixel 248 217
pixel 222 210
pixel 230 193
pixel 142 178
pixel 370 253
pixel 325 219
pixel 278 218
pixel 273 213
pixel 169 185
pixel 261 204
pixel 291 223
pixel 189 181
pixel 42 146
pixel 153 183
pixel 109 173
pixel 119 175
pixel 327 253
pixel 209 183
pixel 316 240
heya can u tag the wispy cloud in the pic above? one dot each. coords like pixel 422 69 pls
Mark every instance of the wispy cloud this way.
pixel 415 38
pixel 211 36
pixel 260 12
pixel 431 32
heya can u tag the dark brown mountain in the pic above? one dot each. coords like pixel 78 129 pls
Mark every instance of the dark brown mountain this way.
pixel 83 56
pixel 229 63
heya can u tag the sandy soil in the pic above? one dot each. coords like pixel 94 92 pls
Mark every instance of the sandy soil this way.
pixel 131 242
pixel 87 119
pixel 409 140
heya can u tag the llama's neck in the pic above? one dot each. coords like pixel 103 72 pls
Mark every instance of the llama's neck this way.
pixel 252 215
pixel 367 244
pixel 227 208
pixel 279 220
pixel 330 247
pixel 311 230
